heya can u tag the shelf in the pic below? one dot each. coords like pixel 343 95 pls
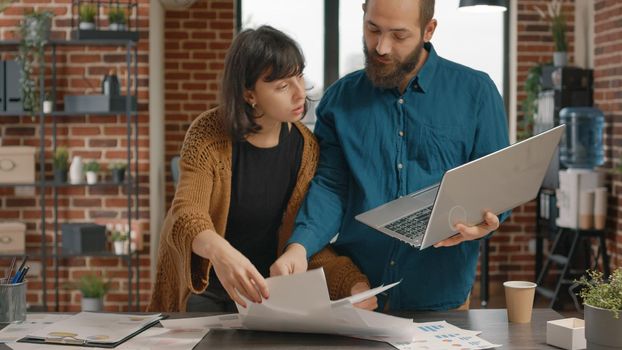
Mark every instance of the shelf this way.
pixel 50 248
pixel 99 184
pixel 75 42
pixel 14 255
pixel 65 114
pixel 53 184
pixel 106 254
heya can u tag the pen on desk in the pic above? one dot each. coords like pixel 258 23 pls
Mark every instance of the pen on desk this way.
pixel 22 275
pixel 8 277
pixel 21 266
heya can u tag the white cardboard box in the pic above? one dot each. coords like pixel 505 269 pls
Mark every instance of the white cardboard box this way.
pixel 566 333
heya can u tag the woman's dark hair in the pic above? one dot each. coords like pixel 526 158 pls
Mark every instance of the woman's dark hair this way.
pixel 253 53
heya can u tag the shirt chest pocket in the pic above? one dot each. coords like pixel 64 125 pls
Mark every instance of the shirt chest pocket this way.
pixel 437 149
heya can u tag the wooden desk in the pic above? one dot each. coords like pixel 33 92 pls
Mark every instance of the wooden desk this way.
pixel 492 323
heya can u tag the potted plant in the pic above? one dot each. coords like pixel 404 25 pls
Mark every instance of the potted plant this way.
pixel 530 103
pixel 60 164
pixel 602 300
pixel 91 168
pixel 86 14
pixel 117 170
pixel 119 238
pixel 556 16
pixel 116 18
pixel 93 289
pixel 34 31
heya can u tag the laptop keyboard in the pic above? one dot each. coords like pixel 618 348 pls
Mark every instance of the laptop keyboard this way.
pixel 412 226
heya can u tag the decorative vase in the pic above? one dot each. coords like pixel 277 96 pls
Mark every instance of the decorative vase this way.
pixel 47 106
pixel 87 25
pixel 76 174
pixel 92 304
pixel 91 177
pixel 560 58
pixel 602 329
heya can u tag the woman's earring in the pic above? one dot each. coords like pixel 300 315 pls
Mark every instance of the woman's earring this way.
pixel 253 105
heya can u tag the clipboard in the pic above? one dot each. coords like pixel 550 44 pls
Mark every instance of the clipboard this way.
pixel 105 330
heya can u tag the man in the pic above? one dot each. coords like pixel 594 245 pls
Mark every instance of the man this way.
pixel 388 131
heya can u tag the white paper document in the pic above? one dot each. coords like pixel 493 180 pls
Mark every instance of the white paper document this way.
pixel 443 336
pixel 300 303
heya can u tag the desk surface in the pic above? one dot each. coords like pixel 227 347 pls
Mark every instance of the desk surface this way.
pixel 493 324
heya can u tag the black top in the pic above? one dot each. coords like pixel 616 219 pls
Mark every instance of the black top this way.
pixel 261 185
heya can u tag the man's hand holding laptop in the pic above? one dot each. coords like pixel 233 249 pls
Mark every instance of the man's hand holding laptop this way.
pixel 294 259
pixel 469 233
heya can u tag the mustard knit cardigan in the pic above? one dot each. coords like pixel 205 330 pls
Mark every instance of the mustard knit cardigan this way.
pixel 202 203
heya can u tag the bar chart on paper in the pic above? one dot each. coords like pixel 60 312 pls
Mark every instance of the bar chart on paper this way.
pixel 442 335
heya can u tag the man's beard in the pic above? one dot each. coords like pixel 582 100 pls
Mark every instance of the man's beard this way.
pixel 389 75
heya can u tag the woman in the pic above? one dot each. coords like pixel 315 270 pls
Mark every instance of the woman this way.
pixel 244 170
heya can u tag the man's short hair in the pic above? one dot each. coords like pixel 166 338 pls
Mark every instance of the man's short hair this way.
pixel 426 12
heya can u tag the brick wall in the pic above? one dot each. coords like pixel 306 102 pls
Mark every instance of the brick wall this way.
pixel 608 98
pixel 196 42
pixel 101 138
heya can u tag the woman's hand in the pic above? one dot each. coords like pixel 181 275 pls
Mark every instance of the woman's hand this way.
pixel 235 272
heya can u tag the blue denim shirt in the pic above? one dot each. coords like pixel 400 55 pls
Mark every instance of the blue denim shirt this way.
pixel 376 145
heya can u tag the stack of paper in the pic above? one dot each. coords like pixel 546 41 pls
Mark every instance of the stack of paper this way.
pixel 442 335
pixel 300 303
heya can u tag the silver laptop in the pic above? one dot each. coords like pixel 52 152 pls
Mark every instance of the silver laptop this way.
pixel 496 182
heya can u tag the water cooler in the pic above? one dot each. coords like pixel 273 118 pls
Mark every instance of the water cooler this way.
pixel 580 198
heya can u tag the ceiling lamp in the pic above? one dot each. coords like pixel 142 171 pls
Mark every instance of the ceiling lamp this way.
pixel 483 5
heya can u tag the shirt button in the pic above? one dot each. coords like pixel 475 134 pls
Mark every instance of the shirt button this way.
pixel 399 165
pixel 400 101
pixel 392 263
pixel 401 133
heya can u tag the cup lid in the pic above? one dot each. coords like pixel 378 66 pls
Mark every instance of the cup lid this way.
pixel 519 284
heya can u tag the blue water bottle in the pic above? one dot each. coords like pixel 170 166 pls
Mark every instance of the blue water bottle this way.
pixel 582 144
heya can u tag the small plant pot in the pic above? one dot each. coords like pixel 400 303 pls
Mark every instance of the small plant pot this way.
pixel 92 304
pixel 560 58
pixel 91 177
pixel 87 25
pixel 602 329
pixel 60 176
pixel 118 175
pixel 120 247
pixel 47 106
pixel 117 26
